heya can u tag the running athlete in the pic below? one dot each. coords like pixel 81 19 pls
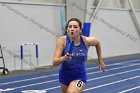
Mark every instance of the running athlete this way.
pixel 72 74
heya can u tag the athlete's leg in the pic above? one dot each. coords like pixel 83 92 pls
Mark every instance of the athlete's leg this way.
pixel 76 86
pixel 64 88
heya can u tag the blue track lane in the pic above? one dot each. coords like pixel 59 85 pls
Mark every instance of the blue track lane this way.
pixel 121 75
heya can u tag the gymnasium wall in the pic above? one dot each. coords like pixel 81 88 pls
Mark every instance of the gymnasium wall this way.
pixel 115 28
pixel 75 8
pixel 29 23
pixel 116 31
pixel 42 23
pixel 38 1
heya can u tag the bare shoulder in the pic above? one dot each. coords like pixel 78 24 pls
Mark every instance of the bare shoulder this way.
pixel 90 41
pixel 62 40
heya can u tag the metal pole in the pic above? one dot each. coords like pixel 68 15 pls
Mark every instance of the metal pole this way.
pixel 95 11
pixel 134 16
pixel 36 54
pixel 21 55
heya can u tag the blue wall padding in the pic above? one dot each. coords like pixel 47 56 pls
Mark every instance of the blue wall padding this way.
pixel 86 29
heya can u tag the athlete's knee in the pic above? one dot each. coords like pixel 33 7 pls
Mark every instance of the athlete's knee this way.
pixel 76 86
pixel 71 91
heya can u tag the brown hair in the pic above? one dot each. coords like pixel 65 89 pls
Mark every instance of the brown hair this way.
pixel 74 19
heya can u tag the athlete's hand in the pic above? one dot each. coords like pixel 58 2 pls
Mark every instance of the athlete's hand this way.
pixel 67 57
pixel 102 66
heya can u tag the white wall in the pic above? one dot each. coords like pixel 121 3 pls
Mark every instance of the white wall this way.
pixel 27 23
pixel 76 9
pixel 117 3
pixel 117 32
pixel 44 1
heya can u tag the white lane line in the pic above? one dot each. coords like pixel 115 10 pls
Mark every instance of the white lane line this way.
pixel 53 80
pixel 9 89
pixel 98 86
pixel 126 87
pixel 52 88
pixel 91 79
pixel 57 74
pixel 114 74
pixel 129 89
pixel 113 68
pixel 99 77
pixel 112 83
pixel 28 79
pixel 122 62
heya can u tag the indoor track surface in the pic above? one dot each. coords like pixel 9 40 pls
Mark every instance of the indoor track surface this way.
pixel 121 76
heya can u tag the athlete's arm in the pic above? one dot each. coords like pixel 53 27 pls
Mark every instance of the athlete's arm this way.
pixel 58 58
pixel 92 41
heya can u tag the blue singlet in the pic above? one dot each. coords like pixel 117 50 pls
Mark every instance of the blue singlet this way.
pixel 75 68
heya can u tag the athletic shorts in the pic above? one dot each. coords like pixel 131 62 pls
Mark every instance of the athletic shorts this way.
pixel 66 77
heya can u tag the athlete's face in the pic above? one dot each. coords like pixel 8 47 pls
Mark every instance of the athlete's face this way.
pixel 73 29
